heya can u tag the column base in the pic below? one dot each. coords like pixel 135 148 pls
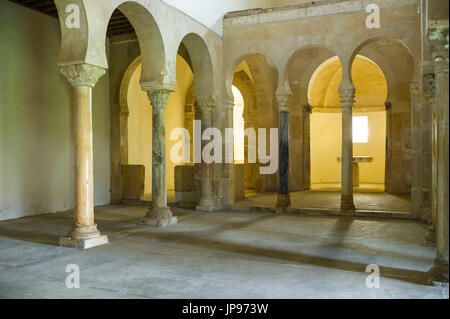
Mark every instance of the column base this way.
pixel 83 243
pixel 83 237
pixel 159 217
pixel 347 203
pixel 430 237
pixel 283 201
pixel 439 273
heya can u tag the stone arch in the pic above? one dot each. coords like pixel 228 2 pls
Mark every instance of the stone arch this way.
pixel 298 73
pixel 124 109
pixel 201 64
pixel 396 61
pixel 265 80
pixel 256 59
pixel 91 36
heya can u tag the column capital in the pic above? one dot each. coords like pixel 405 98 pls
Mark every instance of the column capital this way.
pixel 347 97
pixel 154 86
pixel 205 102
pixel 438 40
pixel 284 101
pixel 82 75
pixel 308 108
pixel 228 103
pixel 159 99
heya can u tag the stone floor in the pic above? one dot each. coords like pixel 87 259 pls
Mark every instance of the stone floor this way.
pixel 218 255
pixel 376 201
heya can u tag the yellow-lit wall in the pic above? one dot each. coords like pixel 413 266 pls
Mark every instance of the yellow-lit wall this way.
pixel 140 123
pixel 326 132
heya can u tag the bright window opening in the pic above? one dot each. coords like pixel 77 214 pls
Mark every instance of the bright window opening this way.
pixel 238 130
pixel 360 129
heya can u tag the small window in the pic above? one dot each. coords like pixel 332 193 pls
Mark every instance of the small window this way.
pixel 360 129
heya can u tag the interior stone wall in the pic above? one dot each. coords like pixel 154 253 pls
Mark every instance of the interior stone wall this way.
pixel 37 164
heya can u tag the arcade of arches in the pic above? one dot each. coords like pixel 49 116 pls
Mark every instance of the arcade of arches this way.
pixel 361 116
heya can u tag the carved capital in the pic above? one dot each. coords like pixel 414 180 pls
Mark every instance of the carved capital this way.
pixel 347 97
pixel 82 74
pixel 205 103
pixel 438 40
pixel 284 102
pixel 228 104
pixel 307 109
pixel 159 99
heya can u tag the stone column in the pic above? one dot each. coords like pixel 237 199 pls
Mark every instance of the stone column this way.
pixel 189 117
pixel 159 214
pixel 283 103
pixel 307 111
pixel 227 180
pixel 205 106
pixel 347 100
pixel 439 46
pixel 250 168
pixel 84 233
pixel 428 187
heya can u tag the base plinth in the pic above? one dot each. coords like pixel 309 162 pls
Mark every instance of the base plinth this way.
pixel 83 243
pixel 159 217
pixel 439 273
pixel 347 204
pixel 283 201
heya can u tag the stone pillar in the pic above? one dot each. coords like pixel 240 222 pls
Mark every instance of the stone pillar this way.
pixel 347 100
pixel 307 111
pixel 250 168
pixel 159 214
pixel 205 106
pixel 189 117
pixel 428 187
pixel 227 180
pixel 439 46
pixel 84 233
pixel 283 103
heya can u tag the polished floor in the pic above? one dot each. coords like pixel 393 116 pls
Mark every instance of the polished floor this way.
pixel 218 255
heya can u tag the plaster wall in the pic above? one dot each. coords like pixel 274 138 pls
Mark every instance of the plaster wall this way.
pixel 326 147
pixel 37 120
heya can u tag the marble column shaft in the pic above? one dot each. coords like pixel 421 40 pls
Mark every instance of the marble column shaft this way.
pixel 347 100
pixel 159 214
pixel 84 233
pixel 205 106
pixel 439 45
pixel 284 102
pixel 307 111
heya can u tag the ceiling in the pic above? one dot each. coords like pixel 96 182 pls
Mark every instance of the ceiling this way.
pixel 118 24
